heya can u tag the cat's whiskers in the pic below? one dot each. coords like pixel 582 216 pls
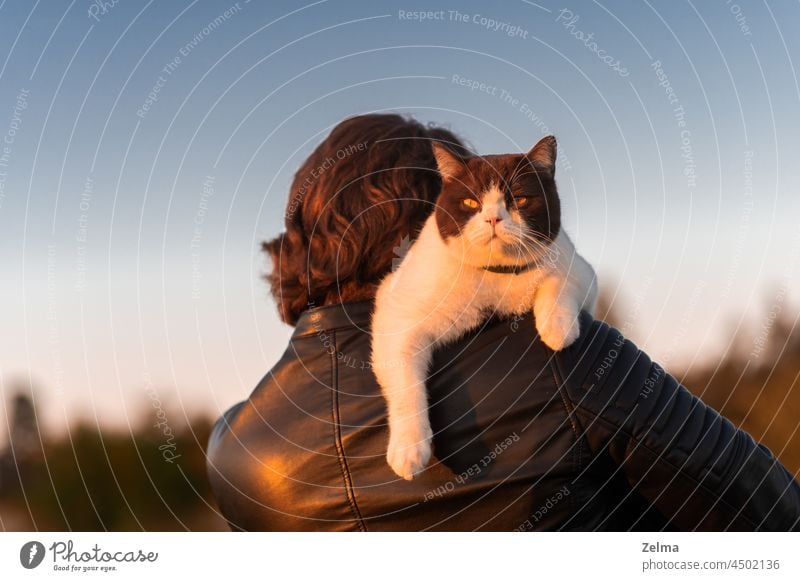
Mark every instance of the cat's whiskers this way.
pixel 529 255
pixel 533 245
pixel 529 251
pixel 524 254
pixel 543 238
pixel 535 238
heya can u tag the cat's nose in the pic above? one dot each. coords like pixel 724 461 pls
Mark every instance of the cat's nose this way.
pixel 494 221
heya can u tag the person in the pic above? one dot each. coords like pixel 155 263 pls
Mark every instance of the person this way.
pixel 594 437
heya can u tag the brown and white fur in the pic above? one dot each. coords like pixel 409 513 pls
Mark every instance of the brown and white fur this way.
pixel 500 212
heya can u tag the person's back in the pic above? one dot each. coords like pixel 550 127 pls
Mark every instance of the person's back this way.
pixel 593 437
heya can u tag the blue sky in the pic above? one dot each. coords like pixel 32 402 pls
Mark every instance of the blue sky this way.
pixel 152 144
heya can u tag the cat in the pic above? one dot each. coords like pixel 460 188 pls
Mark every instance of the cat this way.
pixel 493 244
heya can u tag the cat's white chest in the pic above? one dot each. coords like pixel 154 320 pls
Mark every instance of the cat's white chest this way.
pixel 508 293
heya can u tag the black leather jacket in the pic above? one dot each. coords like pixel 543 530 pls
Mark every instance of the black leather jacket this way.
pixel 596 437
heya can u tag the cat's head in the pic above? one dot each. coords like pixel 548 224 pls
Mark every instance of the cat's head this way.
pixel 499 209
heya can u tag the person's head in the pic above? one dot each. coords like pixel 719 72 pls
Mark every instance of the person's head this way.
pixel 362 194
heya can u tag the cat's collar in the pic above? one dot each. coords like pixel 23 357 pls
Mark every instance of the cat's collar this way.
pixel 509 268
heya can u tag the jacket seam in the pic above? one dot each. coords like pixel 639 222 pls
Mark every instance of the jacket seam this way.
pixel 573 421
pixel 569 409
pixel 337 436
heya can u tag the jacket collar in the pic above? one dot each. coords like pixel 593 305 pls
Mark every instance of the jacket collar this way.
pixel 316 319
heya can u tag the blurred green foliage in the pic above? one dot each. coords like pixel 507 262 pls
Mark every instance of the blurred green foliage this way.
pixel 92 480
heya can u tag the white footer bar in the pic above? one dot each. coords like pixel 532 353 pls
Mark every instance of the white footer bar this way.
pixel 388 556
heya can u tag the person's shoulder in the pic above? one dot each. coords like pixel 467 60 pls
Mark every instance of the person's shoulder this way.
pixel 598 349
pixel 222 428
pixel 605 374
pixel 595 341
pixel 599 357
pixel 499 341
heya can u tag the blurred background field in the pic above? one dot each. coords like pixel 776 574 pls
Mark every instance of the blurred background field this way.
pixel 88 479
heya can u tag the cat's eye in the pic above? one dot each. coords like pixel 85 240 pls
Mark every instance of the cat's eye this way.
pixel 470 203
pixel 521 202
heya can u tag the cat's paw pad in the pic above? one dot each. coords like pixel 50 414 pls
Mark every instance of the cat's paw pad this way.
pixel 559 330
pixel 409 451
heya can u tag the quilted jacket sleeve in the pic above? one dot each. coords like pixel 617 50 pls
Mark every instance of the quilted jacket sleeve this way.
pixel 692 464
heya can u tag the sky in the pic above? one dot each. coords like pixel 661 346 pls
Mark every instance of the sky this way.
pixel 147 149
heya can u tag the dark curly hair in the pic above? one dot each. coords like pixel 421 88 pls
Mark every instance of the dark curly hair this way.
pixel 369 185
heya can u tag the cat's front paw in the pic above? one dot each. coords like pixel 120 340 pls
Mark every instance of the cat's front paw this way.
pixel 410 449
pixel 559 328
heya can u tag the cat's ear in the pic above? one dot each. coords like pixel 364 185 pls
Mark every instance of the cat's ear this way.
pixel 543 154
pixel 448 163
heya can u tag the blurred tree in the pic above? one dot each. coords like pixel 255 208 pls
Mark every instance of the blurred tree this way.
pixel 24 441
pixel 24 447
